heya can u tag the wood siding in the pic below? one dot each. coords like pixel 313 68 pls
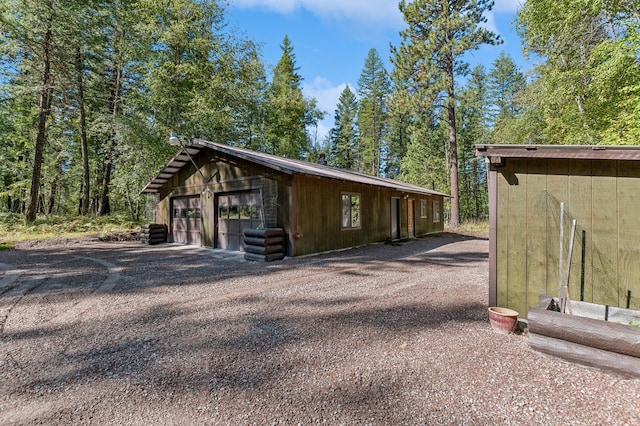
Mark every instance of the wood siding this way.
pixel 316 213
pixel 221 175
pixel 602 195
pixel 302 205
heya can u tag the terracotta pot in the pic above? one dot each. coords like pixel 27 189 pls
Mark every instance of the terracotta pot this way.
pixel 503 320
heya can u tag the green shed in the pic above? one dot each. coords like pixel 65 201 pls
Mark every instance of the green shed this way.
pixel 599 188
pixel 209 193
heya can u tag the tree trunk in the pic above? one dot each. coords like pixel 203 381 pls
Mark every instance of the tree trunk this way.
pixel 41 138
pixel 84 148
pixel 104 207
pixel 454 220
pixel 51 205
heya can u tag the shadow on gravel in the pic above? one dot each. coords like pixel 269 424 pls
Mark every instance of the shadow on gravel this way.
pixel 145 267
pixel 254 346
pixel 247 352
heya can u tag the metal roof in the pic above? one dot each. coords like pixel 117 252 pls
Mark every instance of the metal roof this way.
pixel 280 164
pixel 586 152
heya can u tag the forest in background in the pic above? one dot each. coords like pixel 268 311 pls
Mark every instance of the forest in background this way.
pixel 91 89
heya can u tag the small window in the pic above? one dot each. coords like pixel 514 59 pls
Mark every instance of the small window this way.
pixel 176 213
pixel 223 213
pixel 436 211
pixel 245 212
pixel 350 206
pixel 234 212
pixel 423 208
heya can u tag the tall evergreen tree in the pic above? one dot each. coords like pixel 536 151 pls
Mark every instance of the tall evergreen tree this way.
pixel 32 39
pixel 289 112
pixel 424 163
pixel 430 59
pixel 373 90
pixel 399 121
pixel 120 76
pixel 506 83
pixel 343 145
pixel 473 128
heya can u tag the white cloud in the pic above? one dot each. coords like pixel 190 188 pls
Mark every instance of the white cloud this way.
pixel 370 11
pixel 509 6
pixel 324 92
pixel 491 22
pixel 327 95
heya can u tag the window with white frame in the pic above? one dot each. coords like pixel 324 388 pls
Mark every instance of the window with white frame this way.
pixel 436 211
pixel 350 206
pixel 423 208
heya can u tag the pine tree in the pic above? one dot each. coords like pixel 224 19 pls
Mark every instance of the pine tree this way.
pixel 399 121
pixel 506 83
pixel 34 40
pixel 120 76
pixel 288 111
pixel 373 90
pixel 429 59
pixel 343 145
pixel 474 128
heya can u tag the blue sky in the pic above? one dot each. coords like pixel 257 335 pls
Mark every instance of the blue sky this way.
pixel 331 39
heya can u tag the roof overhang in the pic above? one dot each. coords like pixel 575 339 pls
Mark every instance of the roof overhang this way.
pixel 173 166
pixel 498 153
pixel 279 164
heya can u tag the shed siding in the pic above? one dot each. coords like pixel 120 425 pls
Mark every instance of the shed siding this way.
pixel 602 195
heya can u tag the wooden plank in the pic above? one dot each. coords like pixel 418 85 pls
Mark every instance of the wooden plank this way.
pixel 629 233
pixel 536 232
pixel 608 336
pixel 604 243
pixel 580 209
pixel 517 244
pixel 622 364
pixel 517 273
pixel 557 192
pixel 502 233
pixel 493 236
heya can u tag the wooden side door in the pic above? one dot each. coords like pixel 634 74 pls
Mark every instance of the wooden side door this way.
pixel 411 221
pixel 395 218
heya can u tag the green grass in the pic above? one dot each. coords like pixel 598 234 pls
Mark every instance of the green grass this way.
pixel 13 227
pixel 475 227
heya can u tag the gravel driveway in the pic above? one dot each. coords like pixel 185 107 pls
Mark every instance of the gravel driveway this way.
pixel 121 333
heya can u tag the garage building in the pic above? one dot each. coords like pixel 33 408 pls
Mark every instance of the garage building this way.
pixel 209 193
